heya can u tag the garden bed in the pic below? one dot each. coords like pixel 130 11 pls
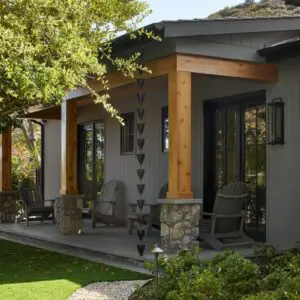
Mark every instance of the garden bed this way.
pixel 269 276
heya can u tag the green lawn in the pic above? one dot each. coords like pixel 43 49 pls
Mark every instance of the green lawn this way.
pixel 31 273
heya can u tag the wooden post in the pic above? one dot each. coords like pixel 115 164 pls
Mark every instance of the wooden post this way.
pixel 5 162
pixel 180 135
pixel 68 148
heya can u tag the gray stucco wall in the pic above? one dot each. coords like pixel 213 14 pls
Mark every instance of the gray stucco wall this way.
pixel 283 167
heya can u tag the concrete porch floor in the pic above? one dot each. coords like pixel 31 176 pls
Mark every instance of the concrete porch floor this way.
pixel 110 245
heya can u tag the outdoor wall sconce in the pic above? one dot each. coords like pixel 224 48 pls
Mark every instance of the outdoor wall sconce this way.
pixel 276 122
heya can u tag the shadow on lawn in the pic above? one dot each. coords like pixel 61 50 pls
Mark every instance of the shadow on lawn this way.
pixel 21 263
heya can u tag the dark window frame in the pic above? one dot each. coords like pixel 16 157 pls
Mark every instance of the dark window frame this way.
pixel 128 134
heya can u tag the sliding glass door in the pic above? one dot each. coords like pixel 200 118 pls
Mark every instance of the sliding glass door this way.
pixel 91 160
pixel 235 149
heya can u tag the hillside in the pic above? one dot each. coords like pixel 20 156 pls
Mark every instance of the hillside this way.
pixel 262 8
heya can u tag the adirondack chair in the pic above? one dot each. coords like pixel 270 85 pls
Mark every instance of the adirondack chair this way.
pixel 33 204
pixel 224 227
pixel 104 207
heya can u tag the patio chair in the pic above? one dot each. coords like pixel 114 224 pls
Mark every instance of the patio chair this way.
pixel 104 207
pixel 224 227
pixel 34 206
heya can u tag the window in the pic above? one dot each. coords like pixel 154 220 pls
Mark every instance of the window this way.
pixel 127 134
pixel 165 129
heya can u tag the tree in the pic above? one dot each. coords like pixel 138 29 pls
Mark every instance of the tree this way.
pixel 49 47
pixel 262 8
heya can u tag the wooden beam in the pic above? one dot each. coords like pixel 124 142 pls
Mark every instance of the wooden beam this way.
pixel 180 133
pixel 157 67
pixel 227 68
pixel 44 113
pixel 68 148
pixel 5 162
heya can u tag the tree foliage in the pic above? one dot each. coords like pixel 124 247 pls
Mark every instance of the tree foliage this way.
pixel 49 47
pixel 262 8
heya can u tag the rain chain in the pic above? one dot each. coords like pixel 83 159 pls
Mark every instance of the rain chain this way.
pixel 141 158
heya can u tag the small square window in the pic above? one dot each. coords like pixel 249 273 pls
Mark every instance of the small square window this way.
pixel 165 129
pixel 127 134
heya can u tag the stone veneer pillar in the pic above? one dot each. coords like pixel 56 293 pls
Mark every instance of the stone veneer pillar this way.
pixel 179 223
pixel 8 209
pixel 68 214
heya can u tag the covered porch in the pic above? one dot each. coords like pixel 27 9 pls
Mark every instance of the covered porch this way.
pixel 112 246
pixel 177 84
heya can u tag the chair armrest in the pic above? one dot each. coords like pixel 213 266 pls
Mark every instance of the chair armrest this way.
pixel 208 214
pixel 103 201
pixel 239 215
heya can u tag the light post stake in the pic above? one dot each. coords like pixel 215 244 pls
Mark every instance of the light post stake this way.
pixel 156 251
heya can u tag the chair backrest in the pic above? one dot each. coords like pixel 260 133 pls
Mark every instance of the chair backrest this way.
pixel 163 192
pixel 32 196
pixel 105 203
pixel 230 200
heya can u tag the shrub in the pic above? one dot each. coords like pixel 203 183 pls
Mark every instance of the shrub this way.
pixel 228 276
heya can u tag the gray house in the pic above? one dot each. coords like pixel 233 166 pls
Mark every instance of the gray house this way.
pixel 207 120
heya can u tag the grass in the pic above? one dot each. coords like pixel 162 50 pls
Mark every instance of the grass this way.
pixel 31 273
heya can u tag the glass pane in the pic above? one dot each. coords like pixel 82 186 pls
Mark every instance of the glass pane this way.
pixel 255 170
pixel 99 157
pixel 219 170
pixel 88 161
pixel 250 126
pixel 127 133
pixel 232 145
pixel 219 144
pixel 261 124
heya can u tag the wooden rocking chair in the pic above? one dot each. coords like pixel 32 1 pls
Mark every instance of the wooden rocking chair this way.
pixel 226 222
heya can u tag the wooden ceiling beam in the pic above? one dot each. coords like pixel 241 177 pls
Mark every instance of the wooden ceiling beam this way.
pixel 227 68
pixel 157 68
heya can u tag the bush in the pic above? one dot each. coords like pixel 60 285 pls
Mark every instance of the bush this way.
pixel 228 276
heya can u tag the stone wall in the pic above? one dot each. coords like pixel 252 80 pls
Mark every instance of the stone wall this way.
pixel 7 207
pixel 68 214
pixel 179 224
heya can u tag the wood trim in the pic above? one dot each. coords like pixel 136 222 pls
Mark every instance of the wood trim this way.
pixel 5 162
pixel 69 149
pixel 180 131
pixel 177 62
pixel 157 67
pixel 228 68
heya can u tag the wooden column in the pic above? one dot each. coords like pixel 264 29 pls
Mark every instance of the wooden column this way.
pixel 5 162
pixel 180 135
pixel 68 148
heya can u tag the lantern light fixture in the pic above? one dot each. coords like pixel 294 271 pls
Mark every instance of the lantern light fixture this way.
pixel 276 122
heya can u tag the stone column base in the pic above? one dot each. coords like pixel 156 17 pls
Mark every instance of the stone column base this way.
pixel 179 223
pixel 8 208
pixel 68 214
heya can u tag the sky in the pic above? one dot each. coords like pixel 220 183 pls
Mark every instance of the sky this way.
pixel 184 9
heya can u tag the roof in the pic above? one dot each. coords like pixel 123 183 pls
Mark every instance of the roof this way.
pixel 283 49
pixel 205 27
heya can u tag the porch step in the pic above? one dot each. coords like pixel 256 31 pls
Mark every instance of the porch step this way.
pixel 132 264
